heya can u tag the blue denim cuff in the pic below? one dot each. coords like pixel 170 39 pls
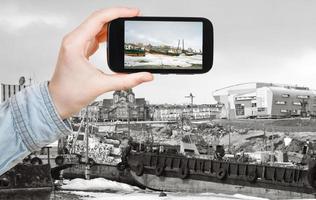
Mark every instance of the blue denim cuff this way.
pixel 64 126
pixel 36 119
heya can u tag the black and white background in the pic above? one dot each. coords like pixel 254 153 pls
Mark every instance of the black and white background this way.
pixel 254 41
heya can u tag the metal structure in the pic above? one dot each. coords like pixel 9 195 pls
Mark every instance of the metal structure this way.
pixel 179 173
pixel 191 102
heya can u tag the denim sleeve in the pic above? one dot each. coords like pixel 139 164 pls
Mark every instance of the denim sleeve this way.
pixel 28 121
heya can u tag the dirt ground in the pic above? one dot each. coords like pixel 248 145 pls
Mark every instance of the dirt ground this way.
pixel 273 125
pixel 64 195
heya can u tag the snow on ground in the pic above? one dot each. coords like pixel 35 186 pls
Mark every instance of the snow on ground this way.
pixel 159 60
pixel 98 184
pixel 151 195
pixel 100 189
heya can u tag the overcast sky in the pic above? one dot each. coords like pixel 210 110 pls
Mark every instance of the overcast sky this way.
pixel 165 33
pixel 266 41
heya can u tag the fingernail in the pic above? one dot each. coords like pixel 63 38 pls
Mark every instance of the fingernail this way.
pixel 148 77
pixel 137 10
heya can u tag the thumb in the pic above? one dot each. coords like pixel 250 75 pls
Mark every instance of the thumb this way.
pixel 125 81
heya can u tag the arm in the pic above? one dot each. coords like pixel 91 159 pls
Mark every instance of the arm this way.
pixel 28 121
pixel 35 116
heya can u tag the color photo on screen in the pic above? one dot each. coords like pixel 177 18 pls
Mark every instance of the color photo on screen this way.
pixel 163 45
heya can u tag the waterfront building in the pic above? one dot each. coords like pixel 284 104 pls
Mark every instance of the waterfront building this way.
pixel 265 100
pixel 93 113
pixel 172 112
pixel 124 106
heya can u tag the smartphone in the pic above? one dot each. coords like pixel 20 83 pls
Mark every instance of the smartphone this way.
pixel 164 45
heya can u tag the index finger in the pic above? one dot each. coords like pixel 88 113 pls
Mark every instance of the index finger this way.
pixel 95 22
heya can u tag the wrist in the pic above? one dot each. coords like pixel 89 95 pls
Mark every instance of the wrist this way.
pixel 57 100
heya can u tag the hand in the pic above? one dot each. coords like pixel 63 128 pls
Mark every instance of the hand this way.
pixel 76 82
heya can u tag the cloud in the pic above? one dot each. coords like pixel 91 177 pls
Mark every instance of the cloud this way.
pixel 12 18
pixel 253 41
pixel 302 68
pixel 166 33
pixel 135 36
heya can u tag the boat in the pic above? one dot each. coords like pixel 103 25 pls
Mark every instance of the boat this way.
pixel 28 180
pixel 110 172
pixel 134 50
pixel 104 155
pixel 177 172
pixel 189 53
pixel 168 52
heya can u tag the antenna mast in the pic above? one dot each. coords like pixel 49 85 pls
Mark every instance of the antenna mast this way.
pixel 191 99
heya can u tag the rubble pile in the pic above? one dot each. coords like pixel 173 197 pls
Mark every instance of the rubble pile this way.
pixel 208 133
pixel 212 133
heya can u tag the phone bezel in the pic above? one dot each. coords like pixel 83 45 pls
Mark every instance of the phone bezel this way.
pixel 116 37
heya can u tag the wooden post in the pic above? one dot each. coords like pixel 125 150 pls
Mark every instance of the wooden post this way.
pixel 87 170
pixel 48 155
pixel 229 140
pixel 128 121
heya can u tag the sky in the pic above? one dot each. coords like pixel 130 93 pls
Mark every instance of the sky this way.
pixel 254 41
pixel 165 33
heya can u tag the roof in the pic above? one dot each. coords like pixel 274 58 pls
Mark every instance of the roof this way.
pixel 107 128
pixel 292 91
pixel 107 103
pixel 176 106
pixel 96 103
pixel 140 101
pixel 243 88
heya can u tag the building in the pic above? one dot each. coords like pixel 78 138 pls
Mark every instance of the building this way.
pixel 265 100
pixel 92 111
pixel 8 90
pixel 167 112
pixel 124 106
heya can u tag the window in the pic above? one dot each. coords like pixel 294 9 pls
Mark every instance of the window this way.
pixel 116 98
pixel 80 137
pixel 188 150
pixel 284 111
pixel 296 103
pixel 285 95
pixel 302 96
pixel 240 109
pixel 253 104
pixel 131 98
pixel 261 109
pixel 297 111
pixel 245 98
pixel 280 102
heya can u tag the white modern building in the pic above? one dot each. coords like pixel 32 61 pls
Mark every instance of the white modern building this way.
pixel 265 100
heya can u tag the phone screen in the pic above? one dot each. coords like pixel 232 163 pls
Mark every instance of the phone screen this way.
pixel 163 45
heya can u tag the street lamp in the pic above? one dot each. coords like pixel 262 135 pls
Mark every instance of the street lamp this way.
pixel 87 170
pixel 128 120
